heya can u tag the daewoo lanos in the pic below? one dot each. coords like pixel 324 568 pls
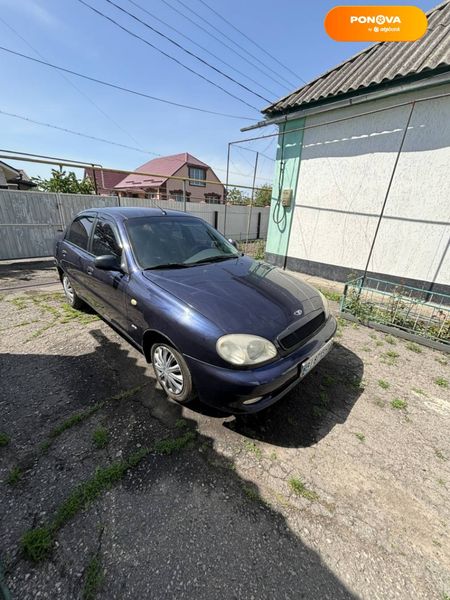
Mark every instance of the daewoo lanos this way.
pixel 236 332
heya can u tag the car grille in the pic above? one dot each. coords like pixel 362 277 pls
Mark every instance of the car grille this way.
pixel 302 333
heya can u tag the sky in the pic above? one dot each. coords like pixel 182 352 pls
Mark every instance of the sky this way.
pixel 69 34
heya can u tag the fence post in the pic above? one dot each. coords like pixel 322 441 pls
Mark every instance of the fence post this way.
pixel 216 218
pixel 184 195
pixel 258 226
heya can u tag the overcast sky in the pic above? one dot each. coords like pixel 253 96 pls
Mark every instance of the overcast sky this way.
pixel 71 35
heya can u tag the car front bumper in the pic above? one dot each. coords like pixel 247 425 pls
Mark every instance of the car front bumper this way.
pixel 228 389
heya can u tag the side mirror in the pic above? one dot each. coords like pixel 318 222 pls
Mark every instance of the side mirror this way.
pixel 233 243
pixel 107 262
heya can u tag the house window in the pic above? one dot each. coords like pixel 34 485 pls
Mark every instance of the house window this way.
pixel 178 195
pixel 212 198
pixel 199 175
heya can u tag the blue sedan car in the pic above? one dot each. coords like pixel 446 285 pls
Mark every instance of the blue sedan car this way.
pixel 235 332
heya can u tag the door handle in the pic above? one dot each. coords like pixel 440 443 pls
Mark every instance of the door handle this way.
pixel 89 270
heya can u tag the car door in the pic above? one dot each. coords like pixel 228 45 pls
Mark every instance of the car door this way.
pixel 109 287
pixel 74 255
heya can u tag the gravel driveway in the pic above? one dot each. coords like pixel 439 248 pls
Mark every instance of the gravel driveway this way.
pixel 339 491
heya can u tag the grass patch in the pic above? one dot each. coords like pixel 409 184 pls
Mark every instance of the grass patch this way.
pixel 379 343
pixel 19 302
pixel 100 437
pixel 414 347
pixel 318 411
pixel 253 448
pixel 385 385
pixel 252 494
pixel 441 382
pixel 273 456
pixel 14 476
pixel 329 295
pixel 418 391
pixel 361 437
pixel 441 360
pixel 328 380
pixel 390 357
pixel 300 489
pixel 399 404
pixel 181 424
pixel 390 340
pixel 4 439
pixel 379 402
pixel 440 454
pixel 93 579
pixel 170 445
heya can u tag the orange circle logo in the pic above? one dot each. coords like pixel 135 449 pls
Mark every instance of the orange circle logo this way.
pixel 375 23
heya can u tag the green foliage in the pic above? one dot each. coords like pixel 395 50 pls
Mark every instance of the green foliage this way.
pixel 94 578
pixel 4 439
pixel 100 437
pixel 300 489
pixel 37 544
pixel 333 296
pixel 414 347
pixel 383 384
pixel 253 448
pixel 263 195
pixel 235 196
pixel 442 382
pixel 399 404
pixel 14 476
pixel 61 181
pixel 361 437
pixel 170 445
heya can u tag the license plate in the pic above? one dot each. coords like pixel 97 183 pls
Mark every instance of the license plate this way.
pixel 309 364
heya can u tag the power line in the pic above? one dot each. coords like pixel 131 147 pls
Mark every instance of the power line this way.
pixel 207 50
pixel 103 112
pixel 123 89
pixel 227 37
pixel 250 40
pixel 214 37
pixel 138 37
pixel 85 135
pixel 185 50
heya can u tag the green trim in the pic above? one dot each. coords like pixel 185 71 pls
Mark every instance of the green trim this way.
pixel 286 177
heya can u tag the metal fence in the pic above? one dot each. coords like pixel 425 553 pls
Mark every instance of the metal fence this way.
pixel 416 311
pixel 29 220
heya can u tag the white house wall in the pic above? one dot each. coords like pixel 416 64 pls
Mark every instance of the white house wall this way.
pixel 343 177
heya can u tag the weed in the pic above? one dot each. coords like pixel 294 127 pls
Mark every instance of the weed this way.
pixel 442 382
pixel 318 411
pixel 379 343
pixel 441 481
pixel 440 454
pixel 128 393
pixel 373 335
pixel 4 439
pixel 37 543
pixel 441 360
pixel 14 476
pixel 328 380
pixel 399 404
pixel 75 419
pixel 390 340
pixel 253 448
pixel 366 349
pixel 181 423
pixel 300 489
pixel 333 296
pixel 445 596
pixel 20 302
pixel 419 391
pixel 385 385
pixel 361 437
pixel 170 445
pixel 390 357
pixel 414 347
pixel 379 402
pixel 100 437
pixel 252 494
pixel 273 456
pixel 94 578
pixel 342 322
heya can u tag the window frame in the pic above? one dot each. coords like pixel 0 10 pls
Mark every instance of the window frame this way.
pixel 198 180
pixel 93 216
pixel 115 231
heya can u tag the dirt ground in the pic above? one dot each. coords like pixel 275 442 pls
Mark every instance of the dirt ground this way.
pixel 341 490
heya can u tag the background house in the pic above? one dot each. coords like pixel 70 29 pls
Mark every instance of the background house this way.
pixel 14 179
pixel 344 154
pixel 152 180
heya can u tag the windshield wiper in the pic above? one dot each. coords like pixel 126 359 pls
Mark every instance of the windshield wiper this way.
pixel 214 259
pixel 173 265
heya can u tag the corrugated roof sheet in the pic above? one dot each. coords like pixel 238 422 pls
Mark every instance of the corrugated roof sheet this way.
pixel 378 64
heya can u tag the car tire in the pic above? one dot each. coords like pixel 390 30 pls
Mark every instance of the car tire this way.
pixel 72 297
pixel 172 372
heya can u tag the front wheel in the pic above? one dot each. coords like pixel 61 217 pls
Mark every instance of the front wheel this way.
pixel 172 372
pixel 71 296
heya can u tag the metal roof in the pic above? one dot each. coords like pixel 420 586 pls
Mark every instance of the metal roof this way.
pixel 378 65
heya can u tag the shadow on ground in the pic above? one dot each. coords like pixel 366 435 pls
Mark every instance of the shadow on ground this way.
pixel 183 525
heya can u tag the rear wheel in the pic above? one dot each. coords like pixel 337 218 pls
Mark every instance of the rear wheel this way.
pixel 71 296
pixel 172 372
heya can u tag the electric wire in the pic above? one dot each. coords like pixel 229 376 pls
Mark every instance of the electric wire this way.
pixel 179 62
pixel 122 88
pixel 250 40
pixel 185 50
pixel 207 50
pixel 71 83
pixel 235 43
pixel 216 39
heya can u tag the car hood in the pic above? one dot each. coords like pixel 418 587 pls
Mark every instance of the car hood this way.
pixel 241 295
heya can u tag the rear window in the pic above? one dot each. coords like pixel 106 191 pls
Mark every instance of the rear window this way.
pixel 79 231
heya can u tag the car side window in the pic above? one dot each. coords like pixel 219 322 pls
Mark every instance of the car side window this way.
pixel 105 240
pixel 79 231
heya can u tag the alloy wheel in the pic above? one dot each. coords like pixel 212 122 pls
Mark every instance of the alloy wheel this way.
pixel 68 290
pixel 168 370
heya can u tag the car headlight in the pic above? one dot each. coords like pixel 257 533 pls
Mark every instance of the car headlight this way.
pixel 244 349
pixel 326 307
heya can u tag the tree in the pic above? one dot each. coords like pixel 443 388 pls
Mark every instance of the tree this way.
pixel 235 196
pixel 263 195
pixel 60 181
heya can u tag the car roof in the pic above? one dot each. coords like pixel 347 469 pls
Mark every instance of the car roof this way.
pixel 129 212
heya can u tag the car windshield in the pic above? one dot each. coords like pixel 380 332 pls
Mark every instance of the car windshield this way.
pixel 176 242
